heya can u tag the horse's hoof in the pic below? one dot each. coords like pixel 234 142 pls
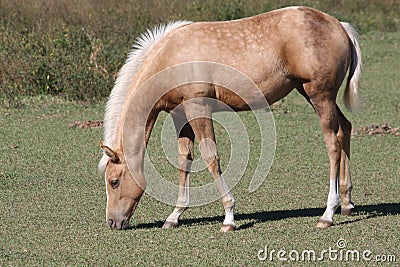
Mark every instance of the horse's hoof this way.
pixel 322 224
pixel 346 211
pixel 170 225
pixel 227 228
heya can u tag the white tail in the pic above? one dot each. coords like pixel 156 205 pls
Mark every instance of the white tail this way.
pixel 351 97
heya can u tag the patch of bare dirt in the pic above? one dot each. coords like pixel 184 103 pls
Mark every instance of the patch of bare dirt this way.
pixel 375 129
pixel 86 124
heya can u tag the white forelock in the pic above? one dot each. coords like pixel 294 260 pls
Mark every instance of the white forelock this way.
pixel 140 50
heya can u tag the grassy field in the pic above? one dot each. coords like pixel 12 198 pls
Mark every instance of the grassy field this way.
pixel 53 201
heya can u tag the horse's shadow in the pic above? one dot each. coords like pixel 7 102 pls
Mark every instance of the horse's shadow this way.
pixel 369 211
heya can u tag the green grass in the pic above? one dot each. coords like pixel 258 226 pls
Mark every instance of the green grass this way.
pixel 53 201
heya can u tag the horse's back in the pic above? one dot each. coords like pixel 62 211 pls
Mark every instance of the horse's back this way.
pixel 277 50
pixel 289 38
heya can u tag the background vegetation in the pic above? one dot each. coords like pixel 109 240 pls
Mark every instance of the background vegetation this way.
pixel 74 48
pixel 52 200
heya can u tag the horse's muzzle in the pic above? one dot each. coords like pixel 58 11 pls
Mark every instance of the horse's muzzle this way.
pixel 119 225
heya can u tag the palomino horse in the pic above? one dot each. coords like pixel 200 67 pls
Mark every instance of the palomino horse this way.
pixel 290 48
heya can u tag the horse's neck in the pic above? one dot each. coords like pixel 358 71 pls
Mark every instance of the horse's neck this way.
pixel 134 128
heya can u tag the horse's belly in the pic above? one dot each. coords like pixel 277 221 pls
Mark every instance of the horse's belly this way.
pixel 268 90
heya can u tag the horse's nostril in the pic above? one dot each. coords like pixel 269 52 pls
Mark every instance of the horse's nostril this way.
pixel 122 225
pixel 110 223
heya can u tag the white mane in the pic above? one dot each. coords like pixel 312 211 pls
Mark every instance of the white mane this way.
pixel 140 50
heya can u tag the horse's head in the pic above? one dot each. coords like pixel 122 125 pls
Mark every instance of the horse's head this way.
pixel 123 193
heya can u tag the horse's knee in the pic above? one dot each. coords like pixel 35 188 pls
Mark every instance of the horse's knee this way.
pixel 209 153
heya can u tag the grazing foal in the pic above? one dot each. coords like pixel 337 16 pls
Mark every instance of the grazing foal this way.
pixel 290 48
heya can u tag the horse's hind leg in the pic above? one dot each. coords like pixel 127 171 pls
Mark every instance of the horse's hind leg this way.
pixel 344 136
pixel 325 106
pixel 185 157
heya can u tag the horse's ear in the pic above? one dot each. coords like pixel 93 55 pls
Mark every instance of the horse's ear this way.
pixel 109 152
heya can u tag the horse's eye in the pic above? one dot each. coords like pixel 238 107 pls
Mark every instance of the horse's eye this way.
pixel 114 183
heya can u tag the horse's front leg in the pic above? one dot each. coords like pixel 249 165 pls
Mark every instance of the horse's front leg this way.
pixel 185 158
pixel 199 116
pixel 209 154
